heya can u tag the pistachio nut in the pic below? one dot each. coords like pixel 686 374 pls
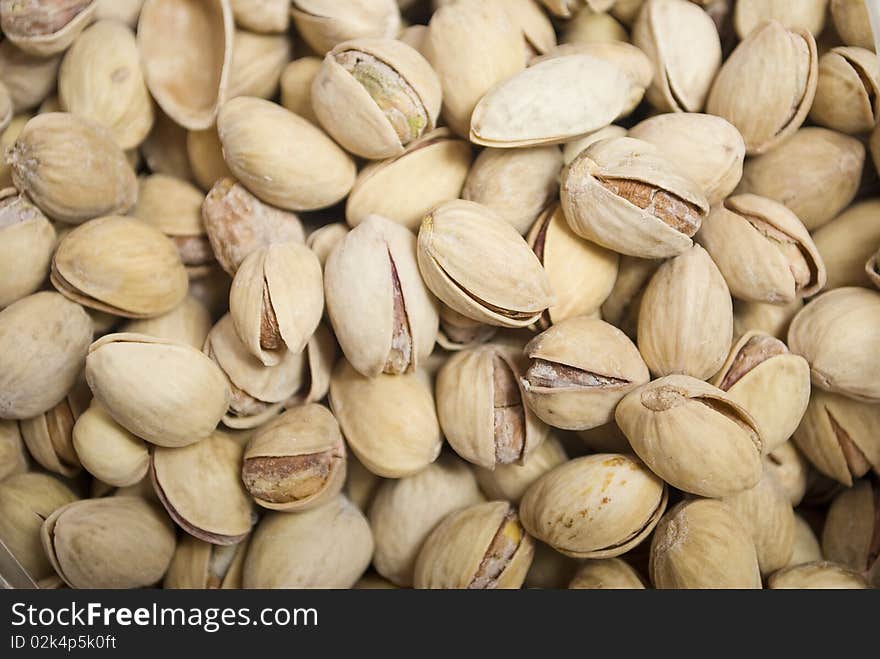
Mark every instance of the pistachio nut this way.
pixel 108 451
pixel 573 149
pixel 516 183
pixel 27 241
pixel 389 422
pixel 852 23
pixel 693 435
pixel 806 14
pixel 582 274
pixel 43 342
pixel 26 499
pixel 683 43
pixel 376 96
pixel 481 547
pixel 200 565
pixel 458 332
pixel 461 34
pixel 263 16
pixel 847 242
pixel 383 316
pixel 822 575
pixel 276 300
pixel 767 85
pixel 100 79
pixel 815 193
pixel 872 269
pixel 297 461
pixel 838 436
pixel 430 171
pixel 806 548
pixel 167 393
pixel 839 335
pixel 48 436
pixel 120 265
pixel 13 456
pixel 326 547
pixel 597 506
pixel 851 535
pixel 606 574
pixel 509 482
pixel 588 26
pixel 403 513
pixel 536 28
pixel 164 149
pixel 45 28
pixel 325 23
pixel 114 542
pixel 296 86
pixel 28 78
pixel 205 154
pixel 578 371
pixel 258 60
pixel 261 141
pixel 41 160
pixel 847 90
pixel 707 149
pixel 621 307
pixel 189 322
pixel 186 54
pixel 702 544
pixel 772 319
pixel 686 317
pixel 624 194
pixel 791 470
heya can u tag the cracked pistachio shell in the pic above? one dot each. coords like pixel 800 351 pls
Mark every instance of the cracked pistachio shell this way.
pixel 27 241
pixel 29 79
pixel 686 317
pixel 258 391
pixel 113 542
pixel 296 86
pixel 621 308
pixel 108 451
pixel 186 54
pixel 478 264
pixel 847 90
pixel 382 314
pixel 325 23
pixel 839 335
pixel 461 34
pixel 481 408
pixel 582 274
pixel 45 28
pixel 535 25
pixel 167 393
pixel 189 322
pixel 767 85
pixel 599 506
pixel 27 499
pixel 624 194
pixel 693 435
pixel 763 250
pixel 200 565
pixel 276 300
pixel 771 383
pixel 806 548
pixel 263 16
pixel 120 265
pixel 516 183
pixel 707 149
pixel 553 101
pixel 847 242
pixel 578 372
pixel 510 482
pixel 317 362
pixel 702 544
pixel 683 43
pixel 43 342
pixel 818 575
pixel 49 437
pixel 606 574
pixel 791 470
pixel 325 547
pixel 852 23
pixel 430 171
pixel 100 79
pixel 389 422
pixel 806 14
pixel 13 456
pixel 404 512
pixel 480 547
pixel 297 461
pixel 818 191
pixel 872 269
pixel 573 149
pixel 282 158
pixel 376 96
pixel 850 535
pixel 41 158
pixel 258 60
pixel 201 488
pixel 838 436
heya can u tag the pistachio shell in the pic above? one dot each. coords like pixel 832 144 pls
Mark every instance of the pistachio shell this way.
pixel 205 154
pixel 588 26
pixel 324 239
pixel 805 14
pixel 510 482
pixel 48 436
pixel 361 484
pixel 43 342
pixel 200 565
pixel 296 86
pixel 565 8
pixel 325 23
pixel 621 308
pixel 125 11
pixel 806 547
pixel 186 53
pixel 847 90
pixel 848 241
pixel 320 356
pixel 189 322
pixel 852 22
pixel 573 149
pixel 606 574
pixel 107 450
pixel 27 241
pixel 264 16
pixel 164 149
pixel 6 108
pixel 258 60
pixel 389 422
pixel 7 139
pixel 534 24
pixel 458 332
pixel 693 435
pixel 28 78
pixel 167 393
pixel 772 319
pixel 13 456
pixel 45 28
pixel 791 470
pixel 570 511
pixel 821 575
pixel 872 268
pixel 848 536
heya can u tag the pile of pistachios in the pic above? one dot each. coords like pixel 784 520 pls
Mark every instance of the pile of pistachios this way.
pixel 440 293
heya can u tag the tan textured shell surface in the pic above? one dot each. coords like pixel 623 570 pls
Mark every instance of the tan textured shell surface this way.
pixel 199 565
pixel 818 575
pixel 186 53
pixel 847 90
pixel 205 155
pixel 265 16
pixel 848 533
pixel 791 470
pixel 27 242
pixel 170 204
pixel 45 28
pixel 48 436
pixel 107 450
pixel 29 79
pixel 852 22
pixel 296 86
pixel 510 482
pixel 606 574
pixel 847 242
pixel 164 149
pixel 325 23
pixel 806 548
pixel 189 322
pixel 13 455
pixel 258 60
